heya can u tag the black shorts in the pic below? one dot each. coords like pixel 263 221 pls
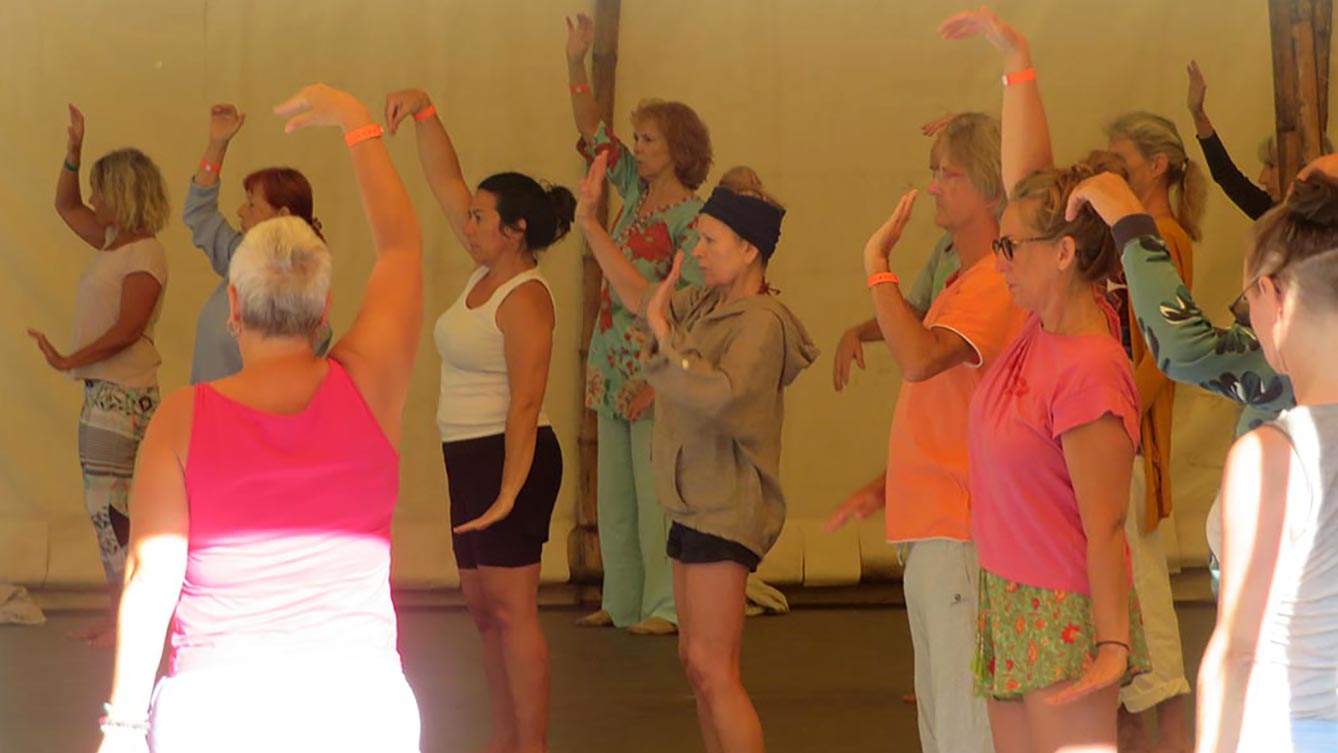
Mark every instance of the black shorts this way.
pixel 696 548
pixel 474 478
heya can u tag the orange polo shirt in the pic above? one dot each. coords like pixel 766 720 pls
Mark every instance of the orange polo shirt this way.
pixel 927 474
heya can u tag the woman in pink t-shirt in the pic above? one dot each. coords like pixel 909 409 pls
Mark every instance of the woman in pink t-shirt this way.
pixel 1054 426
pixel 263 501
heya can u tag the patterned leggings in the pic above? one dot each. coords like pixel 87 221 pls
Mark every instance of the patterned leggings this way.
pixel 110 427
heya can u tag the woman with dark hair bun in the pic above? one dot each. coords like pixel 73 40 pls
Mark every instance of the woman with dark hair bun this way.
pixel 270 192
pixel 503 462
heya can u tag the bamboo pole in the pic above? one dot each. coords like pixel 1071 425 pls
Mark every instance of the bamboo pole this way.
pixel 583 541
pixel 1300 32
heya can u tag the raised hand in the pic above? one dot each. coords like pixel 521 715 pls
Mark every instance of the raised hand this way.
pixel 321 105
pixel 886 236
pixel 1109 667
pixel 591 190
pixel 983 22
pixel 1108 195
pixel 224 123
pixel 75 131
pixel 403 104
pixel 657 310
pixel 1197 88
pixel 580 37
pixel 934 127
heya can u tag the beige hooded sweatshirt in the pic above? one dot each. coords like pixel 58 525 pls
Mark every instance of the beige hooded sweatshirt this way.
pixel 720 381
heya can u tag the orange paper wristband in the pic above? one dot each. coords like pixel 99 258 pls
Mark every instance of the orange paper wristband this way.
pixel 1017 77
pixel 425 113
pixel 210 167
pixel 579 88
pixel 359 135
pixel 882 277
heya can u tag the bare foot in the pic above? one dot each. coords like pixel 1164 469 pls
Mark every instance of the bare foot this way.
pixel 92 630
pixel 653 626
pixel 596 619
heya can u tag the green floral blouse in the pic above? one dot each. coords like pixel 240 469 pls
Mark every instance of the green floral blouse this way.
pixel 650 241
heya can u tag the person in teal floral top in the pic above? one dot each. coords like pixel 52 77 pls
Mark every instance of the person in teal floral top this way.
pixel 656 176
pixel 1185 344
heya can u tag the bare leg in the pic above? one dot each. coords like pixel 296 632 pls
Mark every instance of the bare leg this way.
pixel 1132 732
pixel 501 707
pixel 1173 735
pixel 1009 726
pixel 1086 725
pixel 709 646
pixel 709 738
pixel 513 602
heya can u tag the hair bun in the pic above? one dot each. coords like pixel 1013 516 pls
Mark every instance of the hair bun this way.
pixel 741 179
pixel 1315 200
pixel 564 209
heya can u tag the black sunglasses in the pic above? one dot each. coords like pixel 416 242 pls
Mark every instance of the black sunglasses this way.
pixel 1240 308
pixel 1006 246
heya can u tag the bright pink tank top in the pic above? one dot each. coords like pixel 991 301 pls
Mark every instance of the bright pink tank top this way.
pixel 289 545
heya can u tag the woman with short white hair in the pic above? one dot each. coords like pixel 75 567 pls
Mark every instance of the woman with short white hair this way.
pixel 264 499
pixel 119 299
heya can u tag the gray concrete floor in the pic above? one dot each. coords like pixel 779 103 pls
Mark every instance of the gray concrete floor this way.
pixel 823 679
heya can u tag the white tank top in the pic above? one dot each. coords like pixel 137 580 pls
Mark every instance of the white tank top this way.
pixel 475 392
pixel 1296 665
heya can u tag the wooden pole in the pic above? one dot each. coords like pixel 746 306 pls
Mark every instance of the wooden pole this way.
pixel 1300 32
pixel 583 542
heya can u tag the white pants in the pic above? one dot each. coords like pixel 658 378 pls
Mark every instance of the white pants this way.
pixel 941 582
pixel 1152 582
pixel 334 705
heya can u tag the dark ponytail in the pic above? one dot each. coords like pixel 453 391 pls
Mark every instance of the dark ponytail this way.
pixel 547 211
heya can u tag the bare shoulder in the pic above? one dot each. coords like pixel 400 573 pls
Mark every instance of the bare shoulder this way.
pixel 528 304
pixel 171 423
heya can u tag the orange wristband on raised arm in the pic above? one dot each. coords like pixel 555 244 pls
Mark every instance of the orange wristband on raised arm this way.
pixel 579 88
pixel 1018 77
pixel 881 278
pixel 359 135
pixel 425 113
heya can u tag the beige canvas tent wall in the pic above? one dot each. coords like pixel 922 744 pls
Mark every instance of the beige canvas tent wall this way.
pixel 823 99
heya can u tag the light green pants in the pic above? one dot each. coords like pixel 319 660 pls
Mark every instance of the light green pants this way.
pixel 638 580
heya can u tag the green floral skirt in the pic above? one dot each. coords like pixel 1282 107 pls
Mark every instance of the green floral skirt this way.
pixel 1031 638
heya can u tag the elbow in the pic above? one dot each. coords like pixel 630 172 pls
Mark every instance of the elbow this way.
pixel 123 337
pixel 526 409
pixel 915 373
pixel 920 370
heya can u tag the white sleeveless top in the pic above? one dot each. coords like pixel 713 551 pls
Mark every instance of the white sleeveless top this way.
pixel 475 391
pixel 1296 664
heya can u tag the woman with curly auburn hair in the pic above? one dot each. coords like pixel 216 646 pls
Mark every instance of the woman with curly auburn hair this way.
pixel 120 298
pixel 656 177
